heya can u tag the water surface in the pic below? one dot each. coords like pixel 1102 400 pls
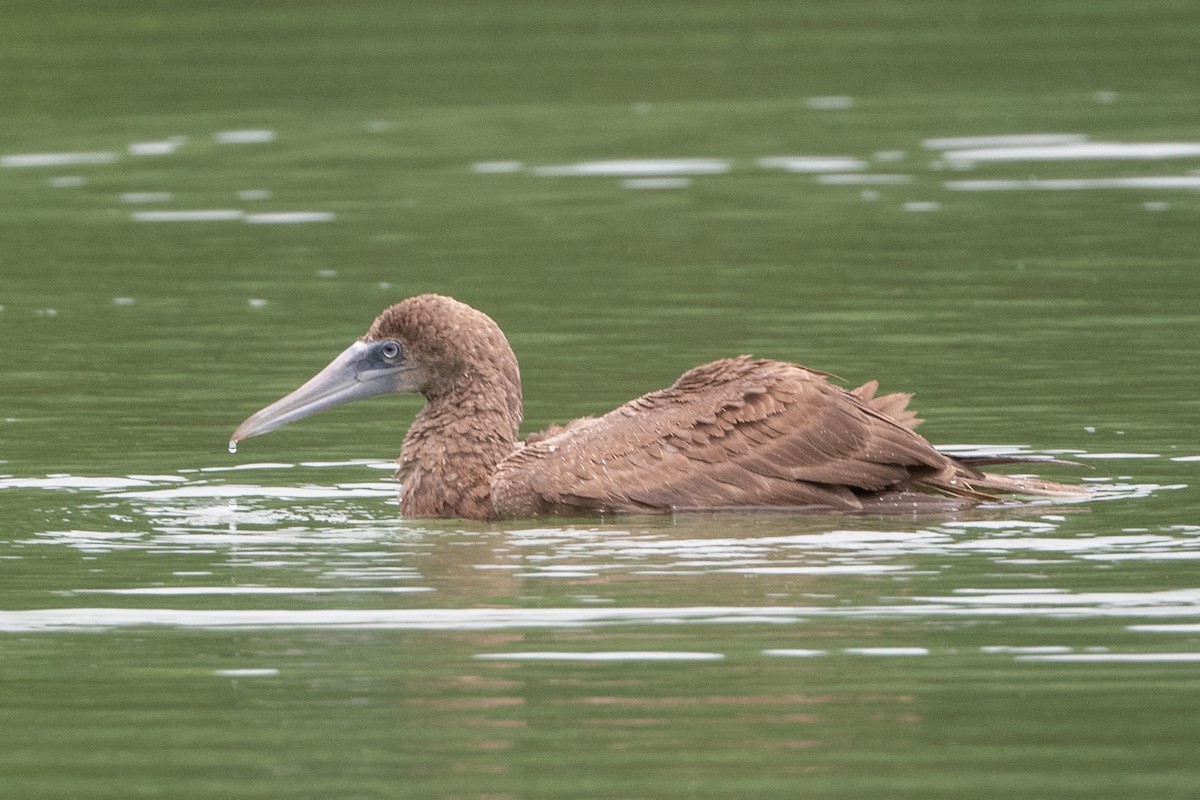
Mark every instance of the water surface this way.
pixel 954 202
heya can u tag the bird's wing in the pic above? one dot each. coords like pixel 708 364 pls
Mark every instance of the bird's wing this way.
pixel 736 432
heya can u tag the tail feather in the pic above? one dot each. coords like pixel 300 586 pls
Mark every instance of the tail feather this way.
pixel 1016 484
pixel 983 461
pixel 893 405
pixel 966 481
pixel 1019 484
pixel 960 479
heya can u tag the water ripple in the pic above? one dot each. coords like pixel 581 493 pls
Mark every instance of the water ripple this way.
pixel 1060 605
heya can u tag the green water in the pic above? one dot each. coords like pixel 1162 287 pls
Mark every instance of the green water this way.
pixel 176 621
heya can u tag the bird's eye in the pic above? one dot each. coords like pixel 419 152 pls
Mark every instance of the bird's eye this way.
pixel 390 350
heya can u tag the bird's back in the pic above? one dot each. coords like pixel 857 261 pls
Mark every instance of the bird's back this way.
pixel 737 432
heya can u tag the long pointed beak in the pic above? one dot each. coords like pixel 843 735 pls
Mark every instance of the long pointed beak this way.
pixel 355 374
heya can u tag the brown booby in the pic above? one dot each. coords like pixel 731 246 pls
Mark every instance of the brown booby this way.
pixel 737 433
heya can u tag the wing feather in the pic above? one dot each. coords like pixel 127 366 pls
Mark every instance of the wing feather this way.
pixel 736 432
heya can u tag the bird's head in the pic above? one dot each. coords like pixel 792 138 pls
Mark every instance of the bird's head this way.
pixel 425 344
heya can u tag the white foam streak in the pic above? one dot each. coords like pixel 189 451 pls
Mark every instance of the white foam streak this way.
pixel 638 167
pixel 656 183
pixel 59 619
pixel 277 492
pixel 145 197
pixel 1004 140
pixel 863 179
pixel 1144 601
pixel 193 215
pixel 1115 658
pixel 1077 151
pixel 1032 650
pixel 1189 628
pixel 829 569
pixel 1055 605
pixel 163 147
pixel 886 651
pixel 289 217
pixel 1165 182
pixel 56 159
pixel 73 482
pixel 602 655
pixel 496 167
pixel 258 136
pixel 249 467
pixel 67 181
pixel 1117 456
pixel 813 164
pixel 195 591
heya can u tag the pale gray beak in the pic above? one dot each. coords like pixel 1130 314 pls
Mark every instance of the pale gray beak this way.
pixel 364 369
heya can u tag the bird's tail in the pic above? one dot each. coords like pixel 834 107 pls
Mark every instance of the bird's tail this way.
pixel 1021 484
pixel 1016 484
pixel 972 483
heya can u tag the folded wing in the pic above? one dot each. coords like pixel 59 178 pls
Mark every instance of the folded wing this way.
pixel 733 433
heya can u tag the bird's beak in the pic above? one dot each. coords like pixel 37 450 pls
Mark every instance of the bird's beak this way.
pixel 355 374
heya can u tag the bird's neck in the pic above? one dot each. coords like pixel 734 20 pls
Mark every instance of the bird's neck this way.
pixel 455 443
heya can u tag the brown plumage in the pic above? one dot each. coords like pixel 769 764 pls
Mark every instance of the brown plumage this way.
pixel 735 433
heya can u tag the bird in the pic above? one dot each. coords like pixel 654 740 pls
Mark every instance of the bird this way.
pixel 738 433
